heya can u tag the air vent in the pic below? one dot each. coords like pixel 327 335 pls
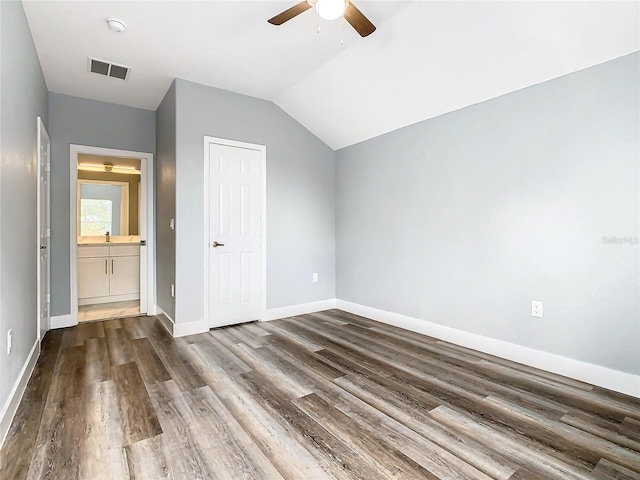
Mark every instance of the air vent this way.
pixel 108 69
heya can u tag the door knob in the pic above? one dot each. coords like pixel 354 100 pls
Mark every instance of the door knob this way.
pixel 216 244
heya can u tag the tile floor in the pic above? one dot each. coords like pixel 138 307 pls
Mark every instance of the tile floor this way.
pixel 104 311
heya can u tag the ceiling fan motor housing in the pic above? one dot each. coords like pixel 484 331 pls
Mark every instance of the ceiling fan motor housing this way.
pixel 344 8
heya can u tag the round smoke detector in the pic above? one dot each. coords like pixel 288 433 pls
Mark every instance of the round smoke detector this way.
pixel 116 25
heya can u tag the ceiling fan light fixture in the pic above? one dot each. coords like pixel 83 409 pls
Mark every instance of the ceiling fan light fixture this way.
pixel 331 9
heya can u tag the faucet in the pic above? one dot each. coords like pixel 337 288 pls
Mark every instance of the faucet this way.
pixel 108 237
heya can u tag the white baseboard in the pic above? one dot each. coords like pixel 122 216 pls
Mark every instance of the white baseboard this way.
pixel 302 309
pixel 181 329
pixel 62 321
pixel 191 328
pixel 10 408
pixel 586 372
pixel 166 321
pixel 108 299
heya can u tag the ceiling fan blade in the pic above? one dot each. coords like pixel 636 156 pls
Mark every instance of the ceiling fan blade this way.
pixel 358 21
pixel 289 13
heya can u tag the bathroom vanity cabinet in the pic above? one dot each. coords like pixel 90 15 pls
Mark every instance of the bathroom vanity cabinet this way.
pixel 108 273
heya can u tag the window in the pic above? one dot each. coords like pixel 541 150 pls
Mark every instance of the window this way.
pixel 95 217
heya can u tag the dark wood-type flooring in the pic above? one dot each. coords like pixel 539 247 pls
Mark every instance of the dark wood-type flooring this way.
pixel 327 395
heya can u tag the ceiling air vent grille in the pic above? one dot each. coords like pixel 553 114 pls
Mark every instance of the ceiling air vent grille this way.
pixel 108 69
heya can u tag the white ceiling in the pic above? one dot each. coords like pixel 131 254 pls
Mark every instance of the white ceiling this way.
pixel 425 59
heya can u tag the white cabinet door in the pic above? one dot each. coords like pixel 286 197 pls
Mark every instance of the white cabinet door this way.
pixel 125 275
pixel 93 277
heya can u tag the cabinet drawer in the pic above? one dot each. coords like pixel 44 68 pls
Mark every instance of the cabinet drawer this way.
pixel 125 251
pixel 93 252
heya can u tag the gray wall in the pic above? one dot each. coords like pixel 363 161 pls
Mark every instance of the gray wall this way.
pixel 79 121
pixel 24 98
pixel 463 219
pixel 166 200
pixel 300 196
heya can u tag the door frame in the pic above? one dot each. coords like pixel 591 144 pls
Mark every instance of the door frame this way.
pixel 40 130
pixel 263 220
pixel 146 206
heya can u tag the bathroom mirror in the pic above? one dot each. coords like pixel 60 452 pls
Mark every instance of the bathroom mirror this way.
pixel 108 201
pixel 103 207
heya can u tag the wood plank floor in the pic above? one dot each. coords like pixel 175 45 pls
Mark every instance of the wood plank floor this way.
pixel 320 396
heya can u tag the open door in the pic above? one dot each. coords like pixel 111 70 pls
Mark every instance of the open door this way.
pixel 44 230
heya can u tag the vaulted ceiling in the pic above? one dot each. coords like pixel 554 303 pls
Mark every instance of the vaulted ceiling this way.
pixel 425 59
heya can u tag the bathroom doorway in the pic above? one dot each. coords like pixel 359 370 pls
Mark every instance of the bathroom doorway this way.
pixel 110 234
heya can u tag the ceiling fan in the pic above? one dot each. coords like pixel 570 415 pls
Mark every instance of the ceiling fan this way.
pixel 329 10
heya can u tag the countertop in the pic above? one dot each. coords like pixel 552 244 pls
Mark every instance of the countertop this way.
pixel 107 244
pixel 113 241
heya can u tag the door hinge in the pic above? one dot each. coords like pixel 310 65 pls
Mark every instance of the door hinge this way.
pixel 48 298
pixel 48 232
pixel 48 166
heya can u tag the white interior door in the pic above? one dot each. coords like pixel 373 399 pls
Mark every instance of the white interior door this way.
pixel 235 234
pixel 44 230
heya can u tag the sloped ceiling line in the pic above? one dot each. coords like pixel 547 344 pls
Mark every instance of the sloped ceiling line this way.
pixel 425 59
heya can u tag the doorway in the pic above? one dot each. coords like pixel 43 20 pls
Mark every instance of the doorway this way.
pixel 235 231
pixel 111 241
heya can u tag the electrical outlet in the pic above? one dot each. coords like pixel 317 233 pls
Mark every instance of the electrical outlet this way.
pixel 536 308
pixel 173 291
pixel 314 278
pixel 9 341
